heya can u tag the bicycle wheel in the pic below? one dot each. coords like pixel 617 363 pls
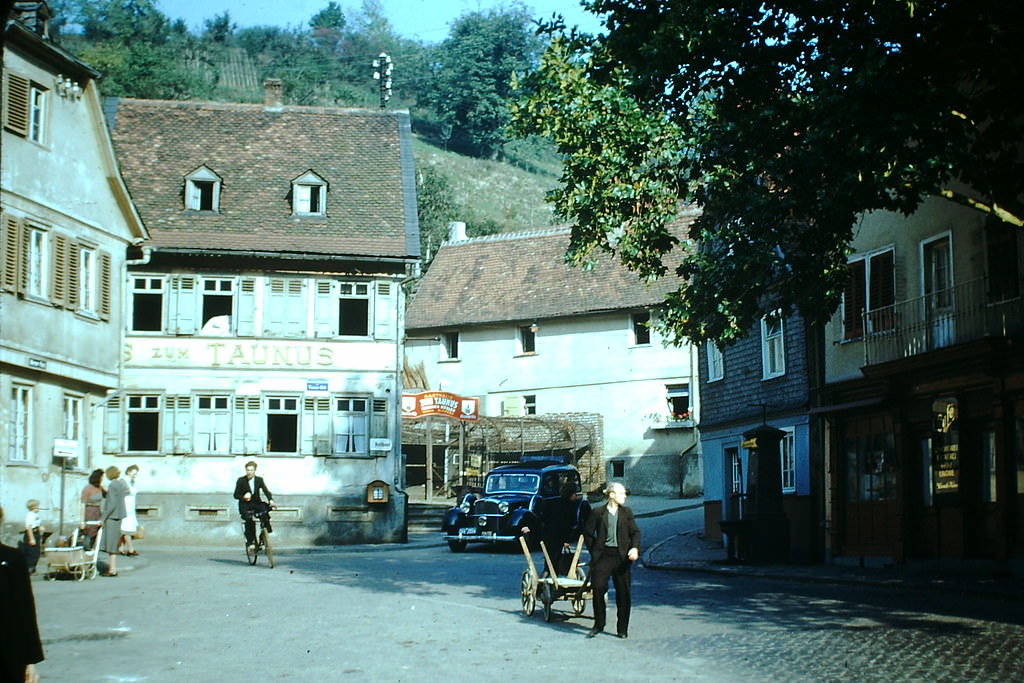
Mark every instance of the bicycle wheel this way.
pixel 266 547
pixel 251 553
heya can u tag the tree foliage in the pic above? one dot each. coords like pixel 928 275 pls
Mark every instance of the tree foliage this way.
pixel 472 79
pixel 782 122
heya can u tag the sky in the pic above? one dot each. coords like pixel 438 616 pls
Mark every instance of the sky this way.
pixel 423 20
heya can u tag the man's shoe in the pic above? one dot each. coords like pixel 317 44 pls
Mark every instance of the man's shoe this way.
pixel 251 548
pixel 622 634
pixel 593 632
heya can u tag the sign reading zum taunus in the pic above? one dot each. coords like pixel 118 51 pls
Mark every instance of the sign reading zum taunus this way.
pixel 195 353
pixel 439 403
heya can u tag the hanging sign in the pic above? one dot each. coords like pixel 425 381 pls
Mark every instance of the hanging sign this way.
pixel 440 403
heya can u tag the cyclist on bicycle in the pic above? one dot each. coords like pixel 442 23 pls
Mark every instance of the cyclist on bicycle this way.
pixel 249 492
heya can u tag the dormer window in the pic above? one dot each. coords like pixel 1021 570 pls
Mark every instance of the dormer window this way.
pixel 202 190
pixel 309 195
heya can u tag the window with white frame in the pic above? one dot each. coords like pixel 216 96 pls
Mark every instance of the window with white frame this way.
pixel 450 346
pixel 144 422
pixel 282 424
pixel 354 309
pixel 773 349
pixel 529 404
pixel 212 423
pixel 677 396
pixel 640 326
pixel 72 417
pixel 870 294
pixel 38 262
pixel 87 280
pixel 787 458
pixel 202 190
pixel 20 424
pixel 309 195
pixel 351 425
pixel 147 303
pixel 218 302
pixel 716 362
pixel 732 456
pixel 526 339
pixel 37 113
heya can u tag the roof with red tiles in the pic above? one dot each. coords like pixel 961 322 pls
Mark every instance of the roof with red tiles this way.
pixel 524 277
pixel 364 156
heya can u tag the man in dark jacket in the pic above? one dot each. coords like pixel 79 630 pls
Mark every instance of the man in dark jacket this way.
pixel 249 492
pixel 20 647
pixel 614 542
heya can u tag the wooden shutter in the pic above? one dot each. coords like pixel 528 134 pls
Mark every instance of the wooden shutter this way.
pixel 113 426
pixel 246 429
pixel 9 250
pixel 16 104
pixel 74 276
pixel 246 326
pixel 316 426
pixel 103 281
pixel 853 301
pixel 325 309
pixel 184 304
pixel 61 248
pixel 881 291
pixel 384 323
pixel 379 423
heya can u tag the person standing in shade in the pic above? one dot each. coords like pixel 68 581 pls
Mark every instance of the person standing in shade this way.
pixel 20 647
pixel 130 523
pixel 613 539
pixel 114 511
pixel 249 492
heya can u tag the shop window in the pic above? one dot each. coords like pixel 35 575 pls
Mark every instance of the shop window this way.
pixel 927 472
pixel 282 424
pixel 871 467
pixel 143 423
pixel 989 473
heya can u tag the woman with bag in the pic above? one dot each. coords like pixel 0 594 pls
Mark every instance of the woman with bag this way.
pixel 130 523
pixel 114 511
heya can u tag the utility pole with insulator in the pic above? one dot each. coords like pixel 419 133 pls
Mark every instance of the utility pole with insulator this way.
pixel 382 73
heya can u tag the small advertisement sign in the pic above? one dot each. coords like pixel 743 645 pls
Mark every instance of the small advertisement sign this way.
pixel 439 403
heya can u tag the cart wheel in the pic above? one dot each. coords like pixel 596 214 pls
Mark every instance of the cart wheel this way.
pixel 547 598
pixel 528 592
pixel 579 599
pixel 79 572
pixel 91 572
pixel 267 549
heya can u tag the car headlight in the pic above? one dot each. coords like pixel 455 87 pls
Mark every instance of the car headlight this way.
pixel 503 507
pixel 464 507
pixel 481 522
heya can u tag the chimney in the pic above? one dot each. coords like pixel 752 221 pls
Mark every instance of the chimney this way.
pixel 272 93
pixel 456 231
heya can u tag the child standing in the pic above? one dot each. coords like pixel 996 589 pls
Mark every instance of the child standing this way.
pixel 34 531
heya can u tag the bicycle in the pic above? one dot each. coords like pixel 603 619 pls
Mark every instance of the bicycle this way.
pixel 252 552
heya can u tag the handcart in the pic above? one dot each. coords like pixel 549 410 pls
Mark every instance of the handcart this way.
pixel 74 560
pixel 548 587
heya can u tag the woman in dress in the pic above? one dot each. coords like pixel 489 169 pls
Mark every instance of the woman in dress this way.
pixel 92 508
pixel 130 523
pixel 113 512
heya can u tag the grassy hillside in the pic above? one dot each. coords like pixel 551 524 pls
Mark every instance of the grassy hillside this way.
pixel 508 195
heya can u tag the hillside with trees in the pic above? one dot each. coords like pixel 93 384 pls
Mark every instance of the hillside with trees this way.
pixel 456 91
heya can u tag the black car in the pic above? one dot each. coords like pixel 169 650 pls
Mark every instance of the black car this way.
pixel 515 496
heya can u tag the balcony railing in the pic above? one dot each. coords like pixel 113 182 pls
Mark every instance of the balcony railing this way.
pixel 941 319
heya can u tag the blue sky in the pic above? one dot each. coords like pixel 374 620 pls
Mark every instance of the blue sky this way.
pixel 424 20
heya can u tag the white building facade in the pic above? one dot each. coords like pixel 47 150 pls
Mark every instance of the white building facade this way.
pixel 263 322
pixel 505 320
pixel 67 222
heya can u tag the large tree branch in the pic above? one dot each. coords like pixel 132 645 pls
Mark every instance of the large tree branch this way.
pixel 1000 212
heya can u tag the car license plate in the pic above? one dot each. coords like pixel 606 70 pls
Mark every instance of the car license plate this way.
pixel 468 531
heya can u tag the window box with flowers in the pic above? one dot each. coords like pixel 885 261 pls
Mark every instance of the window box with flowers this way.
pixel 671 420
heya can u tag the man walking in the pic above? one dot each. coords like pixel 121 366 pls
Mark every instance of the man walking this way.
pixel 613 539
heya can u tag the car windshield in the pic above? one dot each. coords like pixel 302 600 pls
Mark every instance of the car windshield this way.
pixel 511 483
